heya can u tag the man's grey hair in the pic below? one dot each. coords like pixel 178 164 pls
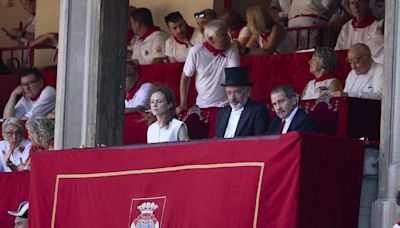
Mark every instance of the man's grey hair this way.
pixel 41 131
pixel 13 121
pixel 327 57
pixel 214 26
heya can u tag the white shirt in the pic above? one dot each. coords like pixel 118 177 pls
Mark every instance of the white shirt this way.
pixel 141 97
pixel 20 152
pixel 153 46
pixel 40 107
pixel 312 86
pixel 179 51
pixel 349 35
pixel 209 70
pixel 288 120
pixel 233 123
pixel 157 133
pixel 367 85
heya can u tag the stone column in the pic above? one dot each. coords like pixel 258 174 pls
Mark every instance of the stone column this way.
pixel 91 73
pixel 384 211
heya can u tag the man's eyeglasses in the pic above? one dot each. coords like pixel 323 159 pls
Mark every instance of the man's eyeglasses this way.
pixel 28 84
pixel 10 133
pixel 199 14
pixel 357 60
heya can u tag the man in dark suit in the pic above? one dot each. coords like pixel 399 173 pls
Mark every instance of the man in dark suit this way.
pixel 243 117
pixel 289 117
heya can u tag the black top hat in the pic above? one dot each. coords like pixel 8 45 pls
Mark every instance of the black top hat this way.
pixel 236 76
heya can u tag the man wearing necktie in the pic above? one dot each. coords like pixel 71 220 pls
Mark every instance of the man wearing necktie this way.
pixel 289 116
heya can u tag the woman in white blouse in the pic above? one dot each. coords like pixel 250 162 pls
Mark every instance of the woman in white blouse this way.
pixel 322 65
pixel 165 128
pixel 14 149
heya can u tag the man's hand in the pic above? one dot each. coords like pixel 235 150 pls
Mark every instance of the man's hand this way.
pixel 17 91
pixel 339 94
pixel 179 109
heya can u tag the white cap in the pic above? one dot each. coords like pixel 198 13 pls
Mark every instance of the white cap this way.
pixel 23 207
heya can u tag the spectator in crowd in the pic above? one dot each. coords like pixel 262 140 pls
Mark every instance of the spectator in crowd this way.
pixel 358 29
pixel 375 42
pixel 150 46
pixel 289 116
pixel 323 64
pixel 136 98
pixel 26 32
pixel 132 38
pixel 165 128
pixel 41 133
pixel 238 28
pixel 21 215
pixel 243 117
pixel 203 17
pixel 37 98
pixel 365 78
pixel 270 36
pixel 14 148
pixel 304 13
pixel 182 38
pixel 207 61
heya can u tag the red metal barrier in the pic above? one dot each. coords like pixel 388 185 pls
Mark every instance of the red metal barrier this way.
pixel 18 53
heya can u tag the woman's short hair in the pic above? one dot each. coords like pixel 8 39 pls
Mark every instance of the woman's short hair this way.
pixel 327 58
pixel 169 97
pixel 232 19
pixel 41 131
pixel 214 26
pixel 13 121
pixel 259 18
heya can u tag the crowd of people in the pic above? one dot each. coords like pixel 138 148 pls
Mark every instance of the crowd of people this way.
pixel 211 54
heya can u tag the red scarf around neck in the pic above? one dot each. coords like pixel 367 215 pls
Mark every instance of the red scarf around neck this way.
pixel 364 22
pixel 148 32
pixel 129 95
pixel 40 92
pixel 213 50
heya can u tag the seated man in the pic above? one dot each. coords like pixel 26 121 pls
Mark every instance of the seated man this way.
pixel 289 116
pixel 150 47
pixel 21 215
pixel 361 27
pixel 202 18
pixel 207 61
pixel 136 98
pixel 183 37
pixel 37 98
pixel 365 78
pixel 243 117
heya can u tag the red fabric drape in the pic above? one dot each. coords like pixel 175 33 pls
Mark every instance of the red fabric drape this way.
pixel 300 171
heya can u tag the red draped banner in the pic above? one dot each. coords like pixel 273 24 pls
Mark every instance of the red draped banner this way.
pixel 297 180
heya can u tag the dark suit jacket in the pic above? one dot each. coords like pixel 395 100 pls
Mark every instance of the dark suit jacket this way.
pixel 301 122
pixel 253 120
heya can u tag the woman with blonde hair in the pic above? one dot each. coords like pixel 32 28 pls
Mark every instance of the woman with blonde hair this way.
pixel 165 127
pixel 268 34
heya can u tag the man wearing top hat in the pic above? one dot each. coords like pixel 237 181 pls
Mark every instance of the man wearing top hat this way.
pixel 21 215
pixel 243 117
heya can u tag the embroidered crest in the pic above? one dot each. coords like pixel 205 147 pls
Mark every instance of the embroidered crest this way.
pixel 146 53
pixel 159 49
pixel 21 149
pixel 147 212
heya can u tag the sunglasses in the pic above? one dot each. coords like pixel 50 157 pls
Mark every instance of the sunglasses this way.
pixel 199 14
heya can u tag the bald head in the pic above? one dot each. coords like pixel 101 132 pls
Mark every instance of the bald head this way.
pixel 359 58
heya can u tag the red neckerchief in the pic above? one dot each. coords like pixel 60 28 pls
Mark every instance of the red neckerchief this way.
pixel 364 22
pixel 40 92
pixel 129 95
pixel 149 31
pixel 235 33
pixel 324 77
pixel 130 35
pixel 189 34
pixel 213 50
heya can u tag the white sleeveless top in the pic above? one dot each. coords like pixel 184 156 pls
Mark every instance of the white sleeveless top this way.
pixel 311 86
pixel 156 133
